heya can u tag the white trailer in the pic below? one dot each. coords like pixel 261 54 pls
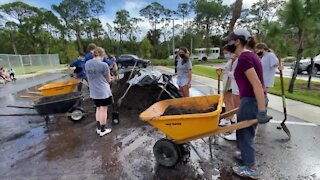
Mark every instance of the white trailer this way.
pixel 202 55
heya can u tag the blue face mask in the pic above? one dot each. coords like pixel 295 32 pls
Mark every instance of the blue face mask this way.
pixel 227 56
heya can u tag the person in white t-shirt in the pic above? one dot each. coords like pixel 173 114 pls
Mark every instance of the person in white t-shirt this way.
pixel 269 62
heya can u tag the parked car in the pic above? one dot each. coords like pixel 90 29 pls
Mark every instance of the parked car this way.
pixel 305 65
pixel 126 60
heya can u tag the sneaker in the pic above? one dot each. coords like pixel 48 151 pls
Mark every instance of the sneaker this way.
pixel 237 156
pixel 224 122
pixel 231 137
pixel 245 171
pixel 106 131
pixel 98 131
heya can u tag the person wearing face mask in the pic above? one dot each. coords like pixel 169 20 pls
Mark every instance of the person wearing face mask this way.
pixel 249 78
pixel 231 94
pixel 227 90
pixel 269 63
pixel 184 73
pixel 98 74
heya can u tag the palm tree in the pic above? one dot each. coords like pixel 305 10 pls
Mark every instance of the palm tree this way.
pixel 293 16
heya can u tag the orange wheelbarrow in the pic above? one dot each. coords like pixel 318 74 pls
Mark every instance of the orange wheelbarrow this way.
pixel 181 129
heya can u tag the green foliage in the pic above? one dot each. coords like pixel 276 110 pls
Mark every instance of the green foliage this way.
pixel 122 22
pixel 145 48
pixel 153 12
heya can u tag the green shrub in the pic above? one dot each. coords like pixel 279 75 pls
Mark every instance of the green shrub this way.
pixel 289 59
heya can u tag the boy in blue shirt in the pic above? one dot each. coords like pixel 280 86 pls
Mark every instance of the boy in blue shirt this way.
pixel 79 65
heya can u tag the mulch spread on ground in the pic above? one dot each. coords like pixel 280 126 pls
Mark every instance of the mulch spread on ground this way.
pixel 173 110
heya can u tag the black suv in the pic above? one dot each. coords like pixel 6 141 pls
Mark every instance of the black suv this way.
pixel 126 60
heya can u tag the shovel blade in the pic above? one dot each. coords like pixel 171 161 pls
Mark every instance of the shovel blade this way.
pixel 286 130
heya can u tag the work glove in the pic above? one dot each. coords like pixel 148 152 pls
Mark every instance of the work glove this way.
pixel 262 117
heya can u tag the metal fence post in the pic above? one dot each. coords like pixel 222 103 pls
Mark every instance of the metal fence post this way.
pixel 24 72
pixel 30 61
pixel 9 61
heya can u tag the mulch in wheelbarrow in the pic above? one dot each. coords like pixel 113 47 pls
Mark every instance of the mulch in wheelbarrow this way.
pixel 173 110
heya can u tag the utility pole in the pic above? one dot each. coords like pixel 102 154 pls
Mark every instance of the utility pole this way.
pixel 191 46
pixel 173 45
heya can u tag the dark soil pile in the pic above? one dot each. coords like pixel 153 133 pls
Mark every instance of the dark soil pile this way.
pixel 173 110
pixel 138 98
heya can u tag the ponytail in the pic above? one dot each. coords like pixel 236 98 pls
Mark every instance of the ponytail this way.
pixel 251 44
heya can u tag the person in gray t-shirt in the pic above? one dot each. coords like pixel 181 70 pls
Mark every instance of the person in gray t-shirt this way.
pixel 98 74
pixel 269 62
pixel 184 72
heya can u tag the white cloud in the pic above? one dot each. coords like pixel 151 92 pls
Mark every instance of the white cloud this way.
pixel 245 4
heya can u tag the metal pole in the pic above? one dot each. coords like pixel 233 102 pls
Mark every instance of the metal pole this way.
pixel 24 72
pixel 191 46
pixel 30 61
pixel 9 61
pixel 173 45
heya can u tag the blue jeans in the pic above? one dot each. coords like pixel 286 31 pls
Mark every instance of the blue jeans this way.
pixel 245 137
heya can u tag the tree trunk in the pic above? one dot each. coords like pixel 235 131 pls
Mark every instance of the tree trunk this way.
pixel 310 73
pixel 236 12
pixel 79 41
pixel 183 25
pixel 299 55
pixel 13 44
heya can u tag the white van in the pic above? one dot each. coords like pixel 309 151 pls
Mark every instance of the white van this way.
pixel 202 55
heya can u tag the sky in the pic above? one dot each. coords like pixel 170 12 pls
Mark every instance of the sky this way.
pixel 133 6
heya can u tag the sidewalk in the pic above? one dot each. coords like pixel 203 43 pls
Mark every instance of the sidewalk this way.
pixel 297 109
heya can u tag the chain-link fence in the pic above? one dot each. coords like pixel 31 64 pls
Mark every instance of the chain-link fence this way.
pixel 25 64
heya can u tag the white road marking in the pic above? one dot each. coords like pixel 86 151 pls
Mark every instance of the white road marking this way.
pixel 295 123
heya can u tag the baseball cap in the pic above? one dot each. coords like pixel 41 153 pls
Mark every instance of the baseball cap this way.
pixel 238 34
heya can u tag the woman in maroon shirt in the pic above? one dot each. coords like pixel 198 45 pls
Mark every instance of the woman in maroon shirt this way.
pixel 248 75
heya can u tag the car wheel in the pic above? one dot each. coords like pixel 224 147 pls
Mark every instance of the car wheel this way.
pixel 119 65
pixel 204 59
pixel 315 70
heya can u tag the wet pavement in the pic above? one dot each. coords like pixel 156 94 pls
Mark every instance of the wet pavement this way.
pixel 68 150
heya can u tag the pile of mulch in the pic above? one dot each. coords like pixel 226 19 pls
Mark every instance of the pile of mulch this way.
pixel 173 110
pixel 138 98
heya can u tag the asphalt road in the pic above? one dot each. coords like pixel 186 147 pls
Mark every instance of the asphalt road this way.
pixel 67 150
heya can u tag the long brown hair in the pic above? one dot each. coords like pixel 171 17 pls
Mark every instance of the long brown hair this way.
pixel 186 59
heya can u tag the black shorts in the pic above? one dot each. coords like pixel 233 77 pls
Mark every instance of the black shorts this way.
pixel 103 102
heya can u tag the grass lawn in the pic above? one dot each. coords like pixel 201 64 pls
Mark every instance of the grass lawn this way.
pixel 301 93
pixel 170 62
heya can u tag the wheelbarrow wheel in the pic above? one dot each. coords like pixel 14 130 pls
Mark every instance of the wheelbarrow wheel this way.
pixel 166 152
pixel 76 114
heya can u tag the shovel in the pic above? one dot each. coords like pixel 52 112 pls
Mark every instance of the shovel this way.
pixel 115 113
pixel 219 72
pixel 283 125
pixel 165 85
pixel 121 98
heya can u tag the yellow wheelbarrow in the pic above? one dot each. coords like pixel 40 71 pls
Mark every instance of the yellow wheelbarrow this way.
pixel 181 129
pixel 58 88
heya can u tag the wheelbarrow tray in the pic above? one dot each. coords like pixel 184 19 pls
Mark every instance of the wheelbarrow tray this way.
pixel 57 104
pixel 57 88
pixel 182 127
